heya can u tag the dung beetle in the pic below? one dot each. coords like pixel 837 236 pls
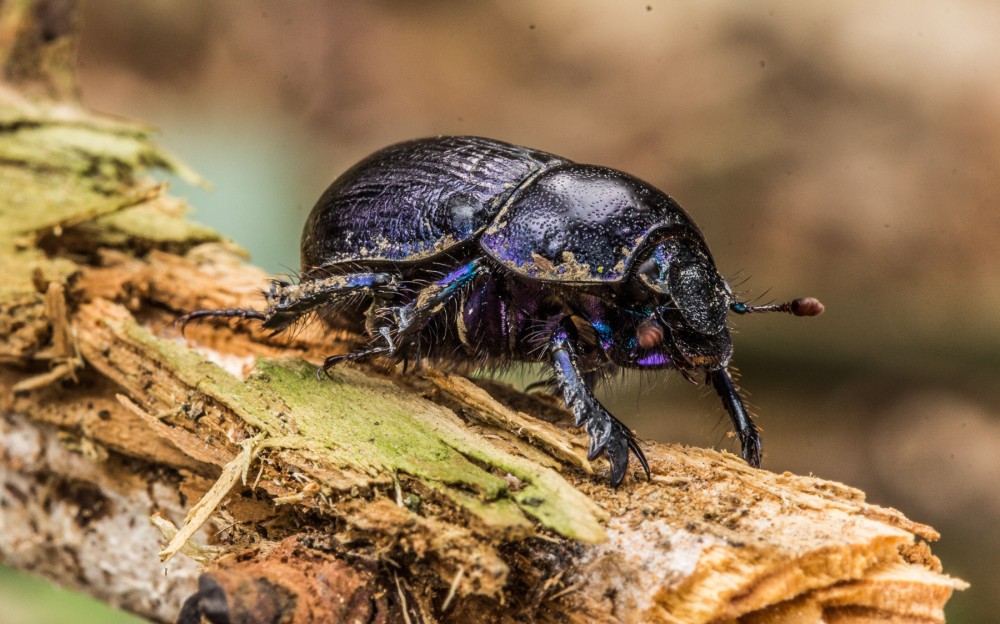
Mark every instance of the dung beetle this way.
pixel 478 252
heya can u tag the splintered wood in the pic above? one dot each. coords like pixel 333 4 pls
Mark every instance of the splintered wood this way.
pixel 729 543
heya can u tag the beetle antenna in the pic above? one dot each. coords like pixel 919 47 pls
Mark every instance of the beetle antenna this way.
pixel 806 306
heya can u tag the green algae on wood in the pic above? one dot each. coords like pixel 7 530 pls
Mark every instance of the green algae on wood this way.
pixel 368 426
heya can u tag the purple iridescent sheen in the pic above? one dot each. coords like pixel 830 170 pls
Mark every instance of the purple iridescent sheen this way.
pixel 651 360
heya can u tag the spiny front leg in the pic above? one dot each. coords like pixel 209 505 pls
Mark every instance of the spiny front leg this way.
pixel 745 429
pixel 607 434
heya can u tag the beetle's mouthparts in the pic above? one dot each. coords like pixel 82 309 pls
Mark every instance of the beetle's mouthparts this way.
pixel 805 306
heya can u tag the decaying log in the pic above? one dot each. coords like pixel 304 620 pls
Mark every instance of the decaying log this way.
pixel 372 496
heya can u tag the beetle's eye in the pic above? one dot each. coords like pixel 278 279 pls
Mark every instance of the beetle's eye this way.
pixel 649 269
pixel 653 271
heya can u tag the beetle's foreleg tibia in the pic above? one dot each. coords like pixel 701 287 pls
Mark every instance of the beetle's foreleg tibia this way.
pixel 607 434
pixel 746 430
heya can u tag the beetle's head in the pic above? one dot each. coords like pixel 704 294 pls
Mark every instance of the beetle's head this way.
pixel 688 305
pixel 693 302
pixel 681 274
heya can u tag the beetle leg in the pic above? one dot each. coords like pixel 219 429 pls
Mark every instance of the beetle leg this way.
pixel 745 429
pixel 239 313
pixel 354 356
pixel 607 434
pixel 287 303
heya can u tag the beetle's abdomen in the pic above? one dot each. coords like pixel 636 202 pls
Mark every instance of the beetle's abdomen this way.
pixel 415 199
pixel 581 223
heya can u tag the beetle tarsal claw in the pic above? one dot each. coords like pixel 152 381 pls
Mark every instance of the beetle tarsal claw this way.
pixel 610 436
pixel 751 448
pixel 633 445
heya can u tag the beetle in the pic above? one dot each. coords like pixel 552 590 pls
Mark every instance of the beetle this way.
pixel 475 251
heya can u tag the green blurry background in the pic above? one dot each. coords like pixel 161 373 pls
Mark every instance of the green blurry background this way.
pixel 847 150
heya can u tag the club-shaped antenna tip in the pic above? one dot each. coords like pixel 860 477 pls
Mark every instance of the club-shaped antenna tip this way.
pixel 807 306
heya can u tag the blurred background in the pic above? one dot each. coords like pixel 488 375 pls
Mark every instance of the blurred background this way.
pixel 848 151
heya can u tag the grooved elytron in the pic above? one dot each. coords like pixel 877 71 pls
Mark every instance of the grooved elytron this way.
pixel 477 251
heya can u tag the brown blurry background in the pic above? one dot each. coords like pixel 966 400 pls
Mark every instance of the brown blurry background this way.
pixel 847 150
